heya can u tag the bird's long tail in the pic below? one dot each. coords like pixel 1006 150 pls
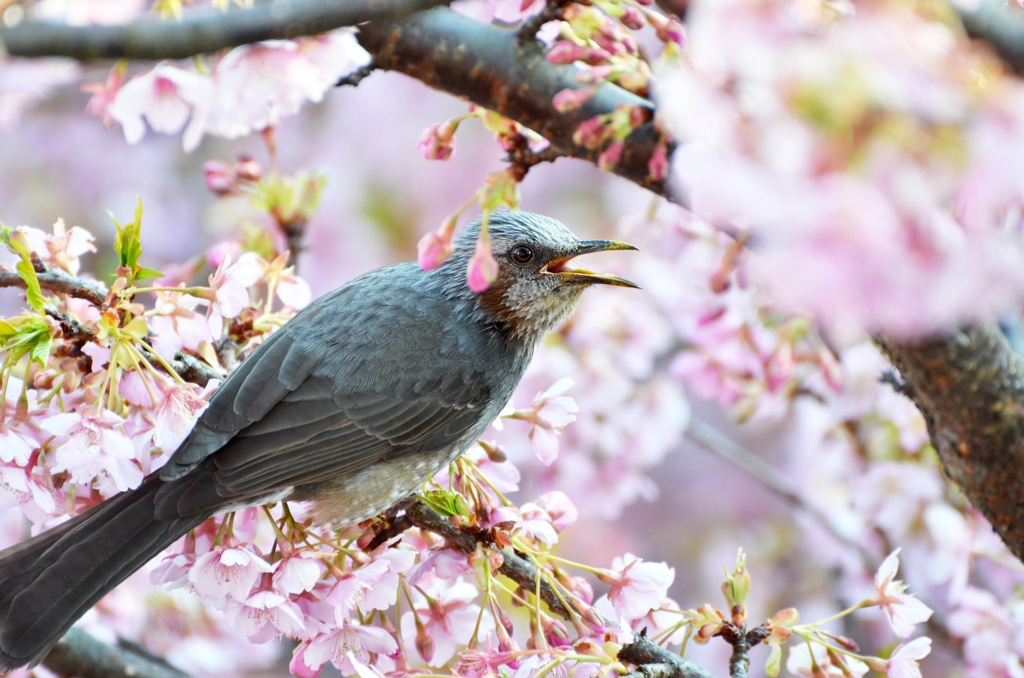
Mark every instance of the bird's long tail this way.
pixel 48 582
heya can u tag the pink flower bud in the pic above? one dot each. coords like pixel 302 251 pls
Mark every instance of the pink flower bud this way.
pixel 438 141
pixel 590 133
pixel 247 169
pixel 434 249
pixel 657 166
pixel 482 269
pixel 424 643
pixel 571 99
pixel 567 52
pixel 669 29
pixel 632 18
pixel 611 155
pixel 219 178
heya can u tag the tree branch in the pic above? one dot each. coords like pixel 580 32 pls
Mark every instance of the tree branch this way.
pixel 970 388
pixel 199 31
pixel 60 282
pixel 188 367
pixel 491 67
pixel 79 654
pixel 516 568
pixel 654 661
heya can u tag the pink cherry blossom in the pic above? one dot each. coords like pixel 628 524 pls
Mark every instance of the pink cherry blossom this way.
pixel 266 614
pixel 164 96
pixel 449 619
pixel 103 93
pixel 296 575
pixel 551 412
pixel 637 586
pixel 176 321
pixel 227 573
pixel 902 610
pixel 257 85
pixel 335 645
pixel 903 660
pixel 94 447
pixel 559 507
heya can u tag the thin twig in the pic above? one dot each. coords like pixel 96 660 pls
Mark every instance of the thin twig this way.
pixel 552 12
pixel 770 477
pixel 199 31
pixel 356 76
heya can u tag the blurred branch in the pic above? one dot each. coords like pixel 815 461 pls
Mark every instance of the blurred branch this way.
pixel 200 31
pixel 772 478
pixel 654 661
pixel 969 386
pixel 998 24
pixel 188 367
pixel 79 654
pixel 516 568
pixel 491 67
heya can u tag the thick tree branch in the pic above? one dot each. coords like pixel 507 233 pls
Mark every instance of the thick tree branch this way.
pixel 199 31
pixel 490 66
pixel 79 654
pixel 970 388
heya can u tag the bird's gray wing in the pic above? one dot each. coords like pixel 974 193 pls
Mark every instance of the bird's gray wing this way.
pixel 279 366
pixel 308 439
pixel 342 385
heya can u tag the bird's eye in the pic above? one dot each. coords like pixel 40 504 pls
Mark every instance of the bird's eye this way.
pixel 521 254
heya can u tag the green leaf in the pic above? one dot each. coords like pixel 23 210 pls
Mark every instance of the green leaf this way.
pixel 41 349
pixel 33 292
pixel 26 334
pixel 143 273
pixel 447 503
pixel 16 243
pixel 127 243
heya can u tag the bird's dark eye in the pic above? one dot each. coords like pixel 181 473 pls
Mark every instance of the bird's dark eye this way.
pixel 521 254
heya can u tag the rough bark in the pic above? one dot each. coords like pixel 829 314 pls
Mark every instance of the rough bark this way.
pixel 970 388
pixel 492 67
pixel 79 654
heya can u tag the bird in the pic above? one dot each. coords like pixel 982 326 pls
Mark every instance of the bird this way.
pixel 350 405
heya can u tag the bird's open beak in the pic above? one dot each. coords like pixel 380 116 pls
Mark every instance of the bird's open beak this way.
pixel 584 277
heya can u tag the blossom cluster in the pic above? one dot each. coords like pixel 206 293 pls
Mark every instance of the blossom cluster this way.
pixel 870 148
pixel 248 89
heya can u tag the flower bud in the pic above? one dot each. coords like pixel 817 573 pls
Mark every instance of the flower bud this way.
pixel 219 178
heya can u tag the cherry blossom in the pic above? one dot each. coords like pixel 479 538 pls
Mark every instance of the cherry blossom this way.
pixel 903 611
pixel 165 97
pixel 176 321
pixel 227 573
pixel 335 646
pixel 637 587
pixel 903 660
pixel 449 618
pixel 94 447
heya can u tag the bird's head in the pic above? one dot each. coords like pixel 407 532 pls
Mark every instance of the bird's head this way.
pixel 536 288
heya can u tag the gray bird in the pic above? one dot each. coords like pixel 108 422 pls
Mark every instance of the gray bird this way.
pixel 350 405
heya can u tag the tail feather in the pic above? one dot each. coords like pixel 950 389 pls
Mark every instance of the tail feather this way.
pixel 50 581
